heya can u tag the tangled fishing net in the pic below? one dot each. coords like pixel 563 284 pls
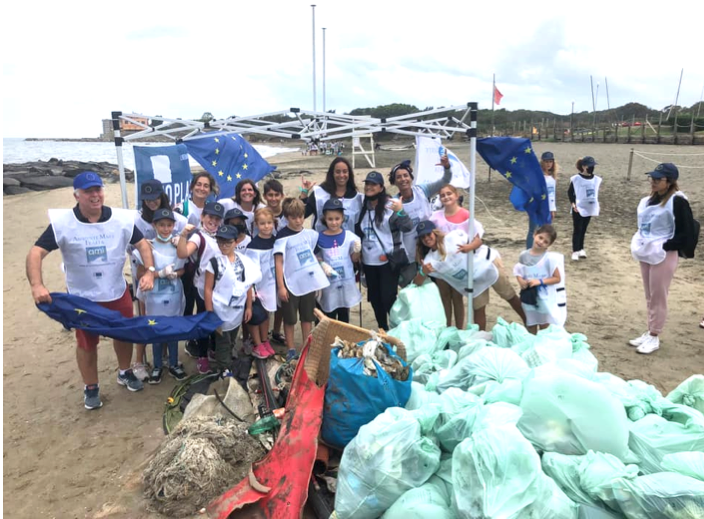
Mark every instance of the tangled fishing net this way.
pixel 201 459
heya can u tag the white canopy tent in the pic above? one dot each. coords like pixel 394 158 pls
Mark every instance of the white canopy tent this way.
pixel 312 125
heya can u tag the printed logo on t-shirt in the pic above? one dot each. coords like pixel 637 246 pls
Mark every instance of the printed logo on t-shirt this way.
pixel 304 257
pixel 164 285
pixel 461 274
pixel 369 233
pixel 233 302
pixel 340 271
pixel 96 253
pixel 591 193
pixel 346 219
pixel 645 228
pixel 415 221
pixel 551 191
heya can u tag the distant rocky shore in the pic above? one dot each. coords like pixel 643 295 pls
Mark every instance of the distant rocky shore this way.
pixel 54 174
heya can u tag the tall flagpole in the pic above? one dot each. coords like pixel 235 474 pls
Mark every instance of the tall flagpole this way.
pixel 493 96
pixel 314 96
pixel 677 97
pixel 472 177
pixel 323 69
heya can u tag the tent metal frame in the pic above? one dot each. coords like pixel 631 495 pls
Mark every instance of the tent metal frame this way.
pixel 312 125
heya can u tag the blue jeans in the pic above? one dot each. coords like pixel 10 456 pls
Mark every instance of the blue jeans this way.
pixel 173 353
pixel 532 226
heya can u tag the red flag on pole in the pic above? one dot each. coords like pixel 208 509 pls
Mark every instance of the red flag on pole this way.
pixel 497 95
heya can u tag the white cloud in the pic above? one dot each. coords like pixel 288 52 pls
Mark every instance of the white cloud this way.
pixel 67 65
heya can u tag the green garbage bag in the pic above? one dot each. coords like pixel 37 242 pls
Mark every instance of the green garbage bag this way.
pixel 461 425
pixel 550 344
pixel 496 474
pixel 418 337
pixel 686 463
pixel 508 391
pixel 639 398
pixel 595 512
pixel 564 470
pixel 664 495
pixel 421 398
pixel 581 353
pixel 690 393
pixel 568 414
pixel 654 436
pixel 418 302
pixel 506 335
pixel 452 338
pixel 487 364
pixel 426 364
pixel 430 500
pixel 388 457
pixel 473 346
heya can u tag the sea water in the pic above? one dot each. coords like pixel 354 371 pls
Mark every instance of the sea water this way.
pixel 17 151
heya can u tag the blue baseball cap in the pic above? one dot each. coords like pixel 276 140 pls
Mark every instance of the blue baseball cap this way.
pixel 151 190
pixel 547 156
pixel 665 170
pixel 227 232
pixel 163 214
pixel 334 204
pixel 86 180
pixel 589 162
pixel 214 209
pixel 234 213
pixel 425 227
pixel 375 178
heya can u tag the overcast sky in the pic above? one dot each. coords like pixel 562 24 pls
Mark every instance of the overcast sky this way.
pixel 68 64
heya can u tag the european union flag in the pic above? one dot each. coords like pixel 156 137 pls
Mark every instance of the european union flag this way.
pixel 229 158
pixel 79 312
pixel 515 159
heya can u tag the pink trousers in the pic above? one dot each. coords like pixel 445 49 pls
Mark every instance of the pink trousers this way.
pixel 656 281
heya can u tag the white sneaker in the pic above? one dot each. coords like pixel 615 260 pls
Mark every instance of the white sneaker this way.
pixel 140 371
pixel 582 254
pixel 640 340
pixel 651 344
pixel 575 256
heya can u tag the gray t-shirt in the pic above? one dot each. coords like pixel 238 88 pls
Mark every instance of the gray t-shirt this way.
pixel 528 259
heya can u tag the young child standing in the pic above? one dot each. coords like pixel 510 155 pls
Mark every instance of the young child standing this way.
pixel 584 197
pixel 298 273
pixel 339 249
pixel 537 267
pixel 167 297
pixel 236 218
pixel 261 251
pixel 229 278
pixel 273 195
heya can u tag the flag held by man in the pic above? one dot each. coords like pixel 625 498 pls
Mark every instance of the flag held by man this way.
pixel 515 159
pixel 229 158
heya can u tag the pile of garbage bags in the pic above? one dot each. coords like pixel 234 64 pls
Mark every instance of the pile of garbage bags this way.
pixel 514 425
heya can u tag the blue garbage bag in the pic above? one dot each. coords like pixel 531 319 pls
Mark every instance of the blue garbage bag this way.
pixel 353 399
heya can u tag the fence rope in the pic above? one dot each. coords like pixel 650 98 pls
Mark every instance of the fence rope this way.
pixel 670 154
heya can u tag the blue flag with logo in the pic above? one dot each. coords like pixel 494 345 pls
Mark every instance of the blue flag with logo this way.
pixel 515 159
pixel 167 164
pixel 229 158
pixel 79 312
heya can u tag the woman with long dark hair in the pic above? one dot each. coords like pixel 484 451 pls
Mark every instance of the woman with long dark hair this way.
pixel 666 232
pixel 380 224
pixel 202 187
pixel 338 183
pixel 247 199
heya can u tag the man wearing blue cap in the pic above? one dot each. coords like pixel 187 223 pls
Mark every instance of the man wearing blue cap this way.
pixel 93 239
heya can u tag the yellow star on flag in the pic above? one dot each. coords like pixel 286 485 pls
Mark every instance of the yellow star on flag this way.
pixel 244 166
pixel 217 151
pixel 531 200
pixel 229 178
pixel 220 173
pixel 508 174
pixel 217 140
pixel 246 156
pixel 214 163
pixel 543 197
pixel 80 311
pixel 239 175
pixel 528 150
pixel 234 138
pixel 513 160
pixel 151 322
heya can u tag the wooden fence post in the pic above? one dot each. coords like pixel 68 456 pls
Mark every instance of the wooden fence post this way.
pixel 630 165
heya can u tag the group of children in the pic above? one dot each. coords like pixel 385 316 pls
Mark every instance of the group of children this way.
pixel 243 270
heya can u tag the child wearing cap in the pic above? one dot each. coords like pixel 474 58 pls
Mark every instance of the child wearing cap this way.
pixel 166 298
pixel 339 249
pixel 198 246
pixel 229 278
pixel 236 218
pixel 298 273
pixel 153 198
pixel 666 232
pixel 542 270
pixel 584 197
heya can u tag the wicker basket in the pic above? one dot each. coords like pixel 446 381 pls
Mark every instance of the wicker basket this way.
pixel 318 359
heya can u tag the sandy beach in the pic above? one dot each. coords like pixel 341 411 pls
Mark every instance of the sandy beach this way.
pixel 65 462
